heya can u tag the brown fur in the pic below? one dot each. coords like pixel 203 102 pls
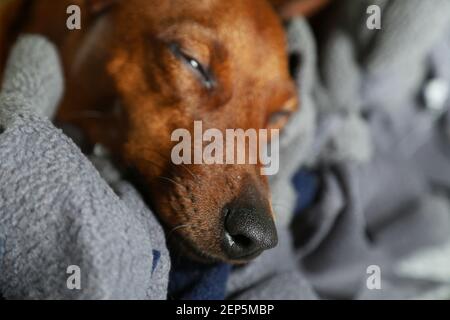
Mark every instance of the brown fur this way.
pixel 289 8
pixel 121 58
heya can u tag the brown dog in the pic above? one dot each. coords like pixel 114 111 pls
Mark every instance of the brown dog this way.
pixel 139 69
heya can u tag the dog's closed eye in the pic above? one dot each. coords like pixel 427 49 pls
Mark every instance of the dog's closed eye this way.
pixel 278 120
pixel 204 74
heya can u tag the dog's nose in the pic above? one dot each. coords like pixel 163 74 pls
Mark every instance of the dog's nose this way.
pixel 248 232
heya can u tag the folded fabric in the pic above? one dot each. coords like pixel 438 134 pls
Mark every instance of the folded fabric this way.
pixel 382 153
pixel 57 214
pixel 191 280
pixel 365 162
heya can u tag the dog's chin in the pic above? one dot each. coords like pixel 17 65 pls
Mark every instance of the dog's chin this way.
pixel 182 246
pixel 185 247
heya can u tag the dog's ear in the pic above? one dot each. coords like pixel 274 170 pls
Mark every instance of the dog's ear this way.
pixel 96 7
pixel 290 8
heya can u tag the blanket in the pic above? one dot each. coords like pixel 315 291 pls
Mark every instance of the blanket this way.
pixel 379 104
pixel 58 217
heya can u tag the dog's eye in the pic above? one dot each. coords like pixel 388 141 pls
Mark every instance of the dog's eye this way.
pixel 200 69
pixel 196 66
pixel 278 119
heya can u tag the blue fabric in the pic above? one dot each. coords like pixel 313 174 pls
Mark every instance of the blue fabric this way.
pixel 189 280
pixel 306 183
pixel 156 257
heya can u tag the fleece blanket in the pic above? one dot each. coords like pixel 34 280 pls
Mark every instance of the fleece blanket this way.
pixel 59 219
pixel 364 181
pixel 375 117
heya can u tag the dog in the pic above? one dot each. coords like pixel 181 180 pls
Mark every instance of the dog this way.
pixel 139 69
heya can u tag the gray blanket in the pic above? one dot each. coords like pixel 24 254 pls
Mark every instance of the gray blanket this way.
pixel 379 101
pixel 374 122
pixel 56 211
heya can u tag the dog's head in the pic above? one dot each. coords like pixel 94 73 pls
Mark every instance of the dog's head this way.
pixel 166 64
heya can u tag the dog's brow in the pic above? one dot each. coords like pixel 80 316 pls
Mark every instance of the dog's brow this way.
pixel 189 24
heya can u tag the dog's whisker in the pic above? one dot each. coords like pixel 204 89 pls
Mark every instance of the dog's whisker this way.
pixel 171 180
pixel 164 177
pixel 191 173
pixel 182 165
pixel 170 233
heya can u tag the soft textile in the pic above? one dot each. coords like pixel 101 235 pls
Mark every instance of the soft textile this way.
pixel 364 178
pixel 55 209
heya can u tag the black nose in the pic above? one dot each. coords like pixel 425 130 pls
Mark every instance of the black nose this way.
pixel 249 230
